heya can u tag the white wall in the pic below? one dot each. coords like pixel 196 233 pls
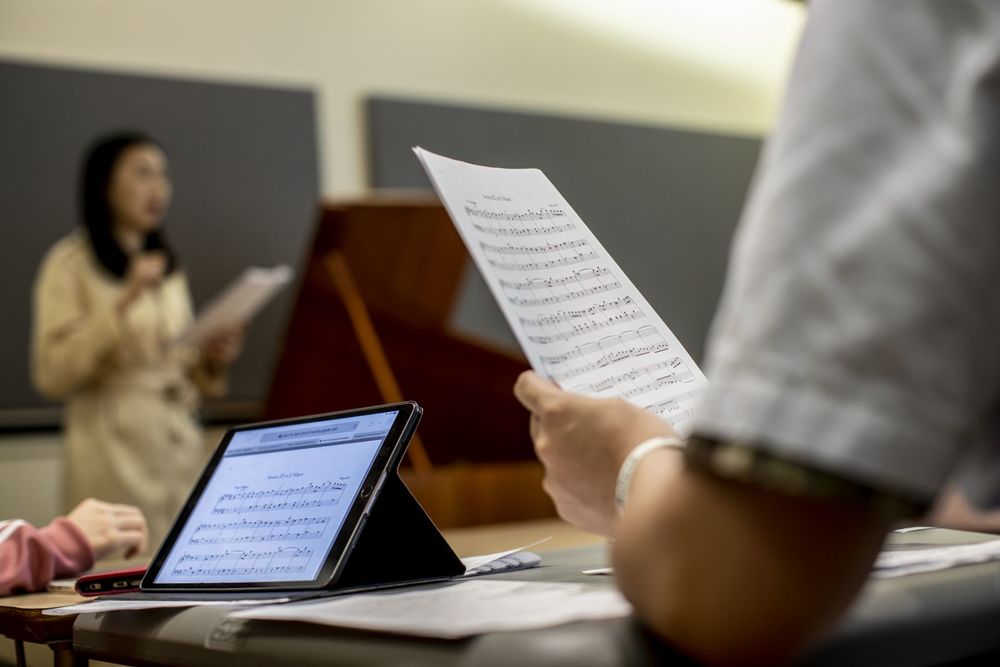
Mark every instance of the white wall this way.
pixel 31 467
pixel 712 64
pixel 708 64
pixel 30 477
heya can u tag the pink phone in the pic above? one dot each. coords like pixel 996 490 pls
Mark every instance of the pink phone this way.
pixel 110 582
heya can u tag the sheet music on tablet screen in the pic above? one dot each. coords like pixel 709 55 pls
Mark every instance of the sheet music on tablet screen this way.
pixel 579 319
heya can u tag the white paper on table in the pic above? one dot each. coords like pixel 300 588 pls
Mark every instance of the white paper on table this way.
pixel 912 529
pixel 899 562
pixel 237 303
pixel 578 318
pixel 474 563
pixel 110 604
pixel 455 610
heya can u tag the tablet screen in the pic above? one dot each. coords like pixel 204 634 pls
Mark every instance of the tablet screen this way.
pixel 276 502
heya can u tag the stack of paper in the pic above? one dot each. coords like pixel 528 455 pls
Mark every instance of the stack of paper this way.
pixel 907 559
pixel 454 610
pixel 237 303
pixel 898 562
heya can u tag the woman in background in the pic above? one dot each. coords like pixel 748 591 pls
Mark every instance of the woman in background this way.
pixel 109 300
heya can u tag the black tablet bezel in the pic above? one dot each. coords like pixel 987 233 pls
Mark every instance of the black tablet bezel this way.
pixel 385 463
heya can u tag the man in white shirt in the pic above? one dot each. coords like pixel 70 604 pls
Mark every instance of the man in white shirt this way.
pixel 853 361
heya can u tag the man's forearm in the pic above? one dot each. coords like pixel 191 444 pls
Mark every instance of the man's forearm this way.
pixel 733 574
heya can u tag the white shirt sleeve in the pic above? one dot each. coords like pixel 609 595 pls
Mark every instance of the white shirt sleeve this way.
pixel 859 330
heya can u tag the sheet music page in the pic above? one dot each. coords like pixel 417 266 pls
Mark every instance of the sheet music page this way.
pixel 237 303
pixel 577 316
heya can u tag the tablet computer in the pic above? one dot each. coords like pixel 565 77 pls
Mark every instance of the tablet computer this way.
pixel 281 504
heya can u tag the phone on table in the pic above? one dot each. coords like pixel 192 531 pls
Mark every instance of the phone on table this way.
pixel 110 582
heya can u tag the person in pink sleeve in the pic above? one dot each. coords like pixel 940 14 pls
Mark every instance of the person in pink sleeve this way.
pixel 31 557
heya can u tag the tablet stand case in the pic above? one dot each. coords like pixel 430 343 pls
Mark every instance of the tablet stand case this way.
pixel 398 544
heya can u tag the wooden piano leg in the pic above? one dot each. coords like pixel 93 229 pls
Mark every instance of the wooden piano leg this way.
pixel 371 347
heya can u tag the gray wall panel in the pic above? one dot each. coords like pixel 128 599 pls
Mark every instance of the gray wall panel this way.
pixel 246 191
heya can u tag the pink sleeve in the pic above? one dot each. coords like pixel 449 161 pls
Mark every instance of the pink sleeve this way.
pixel 31 557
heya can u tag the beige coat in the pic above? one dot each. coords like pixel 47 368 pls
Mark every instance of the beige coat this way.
pixel 131 430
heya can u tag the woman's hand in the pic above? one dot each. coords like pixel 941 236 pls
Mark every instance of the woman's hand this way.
pixel 145 271
pixel 109 527
pixel 582 443
pixel 222 349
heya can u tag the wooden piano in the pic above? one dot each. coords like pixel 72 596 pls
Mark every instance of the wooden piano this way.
pixel 370 325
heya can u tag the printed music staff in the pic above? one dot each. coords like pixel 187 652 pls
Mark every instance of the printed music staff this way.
pixel 559 289
pixel 302 497
pixel 261 530
pixel 532 258
pixel 284 560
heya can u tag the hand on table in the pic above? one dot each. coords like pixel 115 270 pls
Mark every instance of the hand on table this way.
pixel 582 443
pixel 109 527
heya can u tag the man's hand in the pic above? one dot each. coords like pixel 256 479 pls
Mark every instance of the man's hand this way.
pixel 582 443
pixel 735 574
pixel 109 527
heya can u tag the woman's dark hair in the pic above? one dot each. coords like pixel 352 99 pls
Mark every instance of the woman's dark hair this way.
pixel 98 164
